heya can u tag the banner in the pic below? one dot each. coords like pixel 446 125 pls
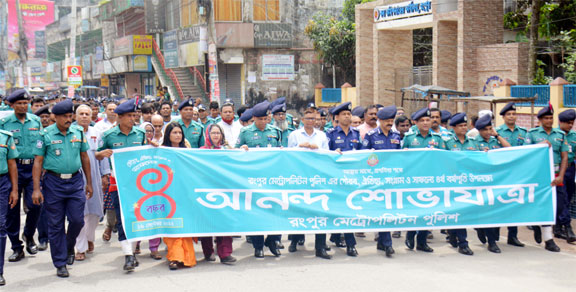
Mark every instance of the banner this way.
pixel 155 13
pixel 177 192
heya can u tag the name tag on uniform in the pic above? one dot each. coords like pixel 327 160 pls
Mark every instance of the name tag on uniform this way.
pixel 339 141
pixel 379 142
pixel 15 131
pixel 118 144
pixel 255 138
pixel 471 148
pixel 137 142
pixel 56 142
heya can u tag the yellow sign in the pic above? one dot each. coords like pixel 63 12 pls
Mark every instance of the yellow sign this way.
pixel 142 45
pixel 104 81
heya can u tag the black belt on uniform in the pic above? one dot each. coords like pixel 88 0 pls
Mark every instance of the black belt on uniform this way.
pixel 25 161
pixel 62 175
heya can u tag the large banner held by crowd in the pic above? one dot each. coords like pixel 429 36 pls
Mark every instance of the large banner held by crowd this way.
pixel 175 192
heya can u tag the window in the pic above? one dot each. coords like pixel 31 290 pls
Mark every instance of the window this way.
pixel 228 10
pixel 266 10
pixel 189 12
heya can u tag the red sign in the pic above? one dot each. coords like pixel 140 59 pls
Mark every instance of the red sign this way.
pixel 74 75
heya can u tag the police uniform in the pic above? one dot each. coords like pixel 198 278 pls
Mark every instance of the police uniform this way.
pixel 115 139
pixel 278 109
pixel 63 186
pixel 515 137
pixel 338 139
pixel 194 132
pixel 415 139
pixel 378 140
pixel 26 136
pixel 253 137
pixel 566 231
pixel 8 151
pixel 246 115
pixel 458 237
pixel 445 116
pixel 209 121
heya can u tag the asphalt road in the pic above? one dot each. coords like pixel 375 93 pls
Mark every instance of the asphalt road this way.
pixel 517 269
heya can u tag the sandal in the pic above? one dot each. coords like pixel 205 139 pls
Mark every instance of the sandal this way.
pixel 90 247
pixel 107 234
pixel 173 265
pixel 155 255
pixel 80 256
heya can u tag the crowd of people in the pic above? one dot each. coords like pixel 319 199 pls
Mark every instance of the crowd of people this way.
pixel 54 157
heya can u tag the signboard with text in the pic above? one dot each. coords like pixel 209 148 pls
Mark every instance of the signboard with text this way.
pixel 74 75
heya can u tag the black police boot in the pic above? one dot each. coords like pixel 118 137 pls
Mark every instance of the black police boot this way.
pixel 570 236
pixel 559 231
pixel 279 244
pixel 494 248
pixel 62 272
pixel 537 234
pixel 321 253
pixel 293 246
pixel 452 239
pixel 481 235
pixel 301 242
pixel 42 246
pixel 515 242
pixel 389 251
pixel 70 258
pixel 2 280
pixel 129 263
pixel 31 246
pixel 465 250
pixel 351 251
pixel 424 247
pixel 16 256
pixel 551 246
pixel 380 246
pixel 409 243
pixel 273 248
pixel 258 253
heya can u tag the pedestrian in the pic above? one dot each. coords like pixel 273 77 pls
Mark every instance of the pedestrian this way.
pixel 62 153
pixel 214 139
pixel 564 230
pixel 342 138
pixel 125 134
pixel 181 249
pixel 93 210
pixel 383 138
pixel 460 142
pixel 25 128
pixel 515 135
pixel 261 134
pixel 8 188
pixel 421 137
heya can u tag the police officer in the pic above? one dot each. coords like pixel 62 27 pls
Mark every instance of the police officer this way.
pixel 379 139
pixel 247 118
pixel 62 153
pixel 566 123
pixel 344 138
pixel 25 128
pixel 488 139
pixel 556 139
pixel 261 134
pixel 444 118
pixel 125 134
pixel 280 121
pixel 8 188
pixel 459 123
pixel 515 135
pixel 193 131
pixel 421 137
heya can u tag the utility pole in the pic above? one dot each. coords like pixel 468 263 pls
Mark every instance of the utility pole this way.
pixel 72 61
pixel 22 41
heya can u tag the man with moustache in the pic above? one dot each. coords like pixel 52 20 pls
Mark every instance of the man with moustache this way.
pixel 370 121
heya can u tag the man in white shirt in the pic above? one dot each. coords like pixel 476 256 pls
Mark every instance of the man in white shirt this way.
pixel 310 138
pixel 231 128
pixel 109 120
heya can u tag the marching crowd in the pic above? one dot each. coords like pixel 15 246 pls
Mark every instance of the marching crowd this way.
pixel 54 157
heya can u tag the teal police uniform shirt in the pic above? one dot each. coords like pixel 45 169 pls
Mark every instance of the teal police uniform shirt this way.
pixel 26 135
pixel 516 137
pixel 455 144
pixel 194 133
pixel 8 150
pixel 416 140
pixel 556 138
pixel 571 140
pixel 254 137
pixel 115 139
pixel 62 152
pixel 490 145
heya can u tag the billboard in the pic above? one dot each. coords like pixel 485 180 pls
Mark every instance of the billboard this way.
pixel 36 14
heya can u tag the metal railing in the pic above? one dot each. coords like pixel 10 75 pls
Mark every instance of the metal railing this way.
pixel 570 95
pixel 168 72
pixel 199 78
pixel 542 92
